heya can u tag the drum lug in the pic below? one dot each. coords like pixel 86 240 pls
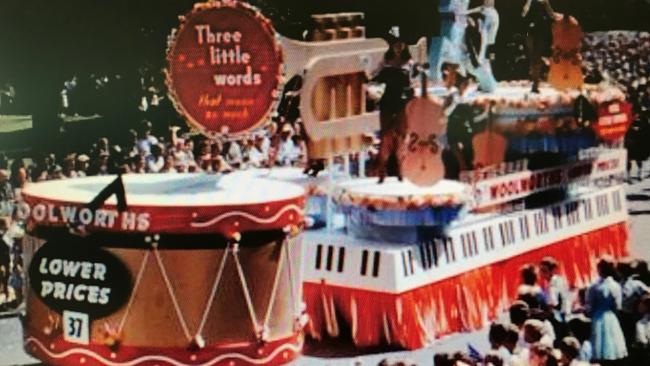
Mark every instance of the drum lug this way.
pixel 263 334
pixel 198 343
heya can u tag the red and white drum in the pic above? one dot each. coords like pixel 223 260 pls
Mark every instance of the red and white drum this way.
pixel 195 270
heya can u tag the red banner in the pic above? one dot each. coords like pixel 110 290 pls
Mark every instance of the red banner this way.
pixel 224 67
pixel 614 119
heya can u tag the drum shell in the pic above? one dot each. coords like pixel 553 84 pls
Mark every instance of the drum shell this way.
pixel 152 321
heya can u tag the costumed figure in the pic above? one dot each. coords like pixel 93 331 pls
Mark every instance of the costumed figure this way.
pixel 396 72
pixel 459 154
pixel 465 39
pixel 538 16
pixel 566 64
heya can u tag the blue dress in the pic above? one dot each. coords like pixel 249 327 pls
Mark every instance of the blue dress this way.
pixel 604 299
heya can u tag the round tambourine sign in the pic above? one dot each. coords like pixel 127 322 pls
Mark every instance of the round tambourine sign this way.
pixel 224 67
pixel 71 274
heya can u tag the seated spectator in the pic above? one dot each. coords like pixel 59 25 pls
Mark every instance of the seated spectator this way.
pixel 511 339
pixel 101 165
pixel 170 165
pixel 541 355
pixel 494 359
pixel 81 165
pixel 570 352
pixel 535 331
pixel 497 339
pixel 233 154
pixel 580 328
pixel 155 161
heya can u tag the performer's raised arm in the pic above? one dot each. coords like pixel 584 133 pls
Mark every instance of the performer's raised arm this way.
pixel 526 8
pixel 549 9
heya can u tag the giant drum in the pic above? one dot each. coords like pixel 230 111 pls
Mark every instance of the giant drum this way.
pixel 194 270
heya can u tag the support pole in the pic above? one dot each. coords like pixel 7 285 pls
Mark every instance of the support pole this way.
pixel 330 193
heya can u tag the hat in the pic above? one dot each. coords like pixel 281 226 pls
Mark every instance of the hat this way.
pixel 287 128
pixel 394 35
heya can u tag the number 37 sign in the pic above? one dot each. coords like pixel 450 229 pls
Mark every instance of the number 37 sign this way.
pixel 76 327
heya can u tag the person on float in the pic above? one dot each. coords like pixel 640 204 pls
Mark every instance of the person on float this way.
pixel 396 72
pixel 462 116
pixel 604 300
pixel 538 16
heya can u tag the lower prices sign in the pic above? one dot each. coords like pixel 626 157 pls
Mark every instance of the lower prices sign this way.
pixel 224 67
pixel 74 277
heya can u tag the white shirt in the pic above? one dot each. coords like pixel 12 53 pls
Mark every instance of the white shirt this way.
pixel 155 165
pixel 144 145
pixel 633 289
pixel 255 157
pixel 643 330
pixel 558 294
pixel 287 153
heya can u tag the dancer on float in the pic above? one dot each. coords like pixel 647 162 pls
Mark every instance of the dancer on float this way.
pixel 396 73
pixel 462 117
pixel 488 26
pixel 538 15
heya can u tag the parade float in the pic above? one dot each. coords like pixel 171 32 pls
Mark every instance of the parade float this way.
pixel 408 260
pixel 169 269
pixel 206 270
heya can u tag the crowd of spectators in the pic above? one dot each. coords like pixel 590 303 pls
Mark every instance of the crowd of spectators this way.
pixel 174 153
pixel 550 324
pixel 624 59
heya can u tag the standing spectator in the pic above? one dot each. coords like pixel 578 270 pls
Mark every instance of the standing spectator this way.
pixel 256 158
pixel 81 165
pixel 16 283
pixel 287 151
pixel 18 176
pixel 633 290
pixel 145 138
pixel 556 293
pixel 169 166
pixel 6 194
pixel 641 270
pixel 643 331
pixel 155 161
pixel 69 167
pixel 604 299
pixel 529 291
pixel 100 166
pixel 233 154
